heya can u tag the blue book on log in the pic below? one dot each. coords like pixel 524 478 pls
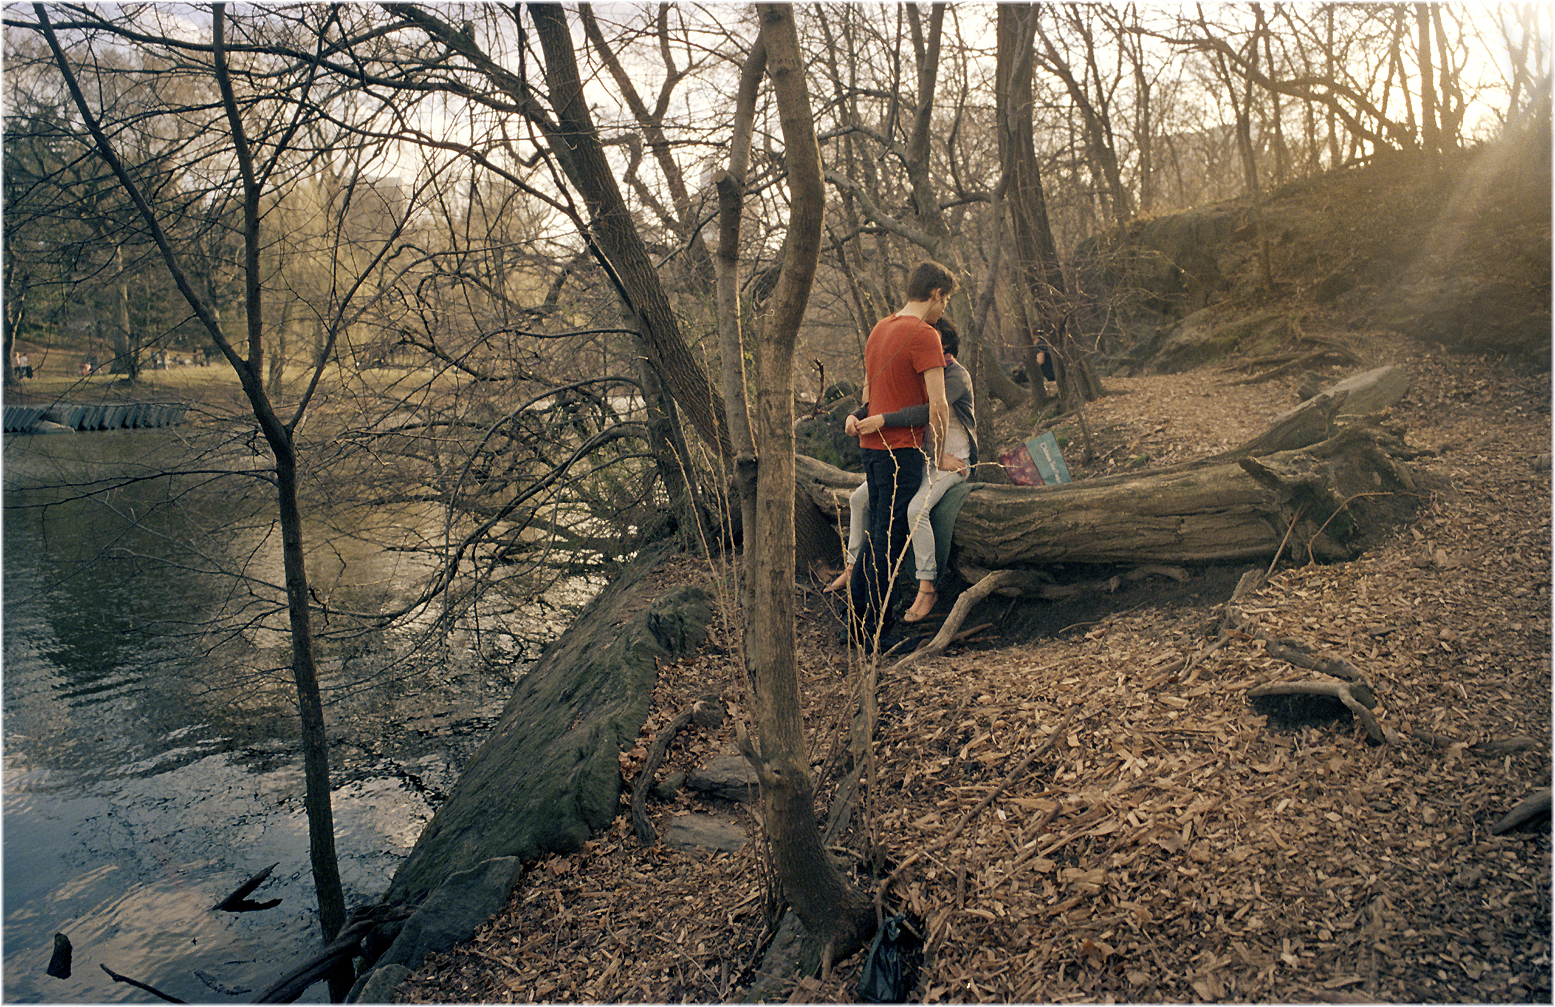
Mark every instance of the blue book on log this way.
pixel 1050 461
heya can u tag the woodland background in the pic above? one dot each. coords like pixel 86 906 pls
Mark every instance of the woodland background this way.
pixel 466 258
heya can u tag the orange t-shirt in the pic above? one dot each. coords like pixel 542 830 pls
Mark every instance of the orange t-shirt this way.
pixel 900 348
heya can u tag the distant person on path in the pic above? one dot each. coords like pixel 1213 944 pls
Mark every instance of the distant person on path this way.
pixel 952 464
pixel 904 366
pixel 23 366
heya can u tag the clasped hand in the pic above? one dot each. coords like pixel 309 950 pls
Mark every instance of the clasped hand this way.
pixel 855 427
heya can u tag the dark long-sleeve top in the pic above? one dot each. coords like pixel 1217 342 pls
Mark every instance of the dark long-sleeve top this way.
pixel 958 391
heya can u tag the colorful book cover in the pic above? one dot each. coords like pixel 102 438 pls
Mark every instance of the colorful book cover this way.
pixel 1018 464
pixel 1049 459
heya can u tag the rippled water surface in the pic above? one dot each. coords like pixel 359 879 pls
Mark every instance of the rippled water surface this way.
pixel 150 752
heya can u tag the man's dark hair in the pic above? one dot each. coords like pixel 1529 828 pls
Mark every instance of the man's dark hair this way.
pixel 926 277
pixel 949 336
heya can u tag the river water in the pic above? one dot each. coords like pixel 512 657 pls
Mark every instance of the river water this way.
pixel 151 760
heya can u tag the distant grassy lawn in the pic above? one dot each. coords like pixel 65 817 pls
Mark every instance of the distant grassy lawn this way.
pixel 216 386
pixel 213 386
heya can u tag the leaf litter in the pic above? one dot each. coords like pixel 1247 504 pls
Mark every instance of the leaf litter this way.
pixel 1151 836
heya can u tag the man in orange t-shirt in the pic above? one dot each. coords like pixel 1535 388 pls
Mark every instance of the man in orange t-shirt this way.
pixel 903 366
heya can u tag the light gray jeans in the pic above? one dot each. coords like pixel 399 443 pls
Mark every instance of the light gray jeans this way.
pixel 934 485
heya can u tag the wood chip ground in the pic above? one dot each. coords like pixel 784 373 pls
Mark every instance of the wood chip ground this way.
pixel 1173 845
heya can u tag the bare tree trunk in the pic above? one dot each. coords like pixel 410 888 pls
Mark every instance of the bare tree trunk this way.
pixel 1276 120
pixel 126 352
pixel 1335 154
pixel 15 311
pixel 326 873
pixel 310 704
pixel 667 441
pixel 315 747
pixel 1100 146
pixel 1450 105
pixel 275 365
pixel 833 910
pixel 1041 276
pixel 1144 112
pixel 1430 137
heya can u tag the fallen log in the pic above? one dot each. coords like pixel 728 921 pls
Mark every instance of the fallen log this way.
pixel 1227 510
pixel 116 977
pixel 1307 477
pixel 238 901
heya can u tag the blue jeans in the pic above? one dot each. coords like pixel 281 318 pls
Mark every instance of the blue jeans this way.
pixel 893 477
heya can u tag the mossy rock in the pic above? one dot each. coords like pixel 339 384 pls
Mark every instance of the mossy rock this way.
pixel 548 776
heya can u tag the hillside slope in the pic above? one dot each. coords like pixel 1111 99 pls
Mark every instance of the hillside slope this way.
pixel 1452 253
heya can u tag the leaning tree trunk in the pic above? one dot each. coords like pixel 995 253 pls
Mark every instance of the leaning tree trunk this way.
pixel 576 142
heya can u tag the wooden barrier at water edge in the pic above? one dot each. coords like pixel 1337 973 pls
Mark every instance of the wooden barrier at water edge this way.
pixel 57 417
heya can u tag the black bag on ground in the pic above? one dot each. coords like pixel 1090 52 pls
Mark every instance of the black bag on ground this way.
pixel 891 970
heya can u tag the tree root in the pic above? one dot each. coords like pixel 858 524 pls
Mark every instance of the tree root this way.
pixel 1535 805
pixel 1352 688
pixel 1342 691
pixel 1505 746
pixel 1490 747
pixel 1329 351
pixel 971 596
pixel 707 712
pixel 355 940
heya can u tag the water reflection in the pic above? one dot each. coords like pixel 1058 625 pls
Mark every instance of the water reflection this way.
pixel 150 755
